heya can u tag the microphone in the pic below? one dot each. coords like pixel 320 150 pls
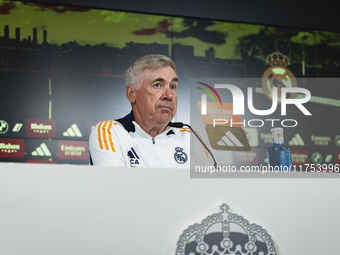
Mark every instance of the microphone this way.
pixel 176 124
pixel 180 125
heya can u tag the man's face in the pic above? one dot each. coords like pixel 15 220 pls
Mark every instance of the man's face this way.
pixel 156 99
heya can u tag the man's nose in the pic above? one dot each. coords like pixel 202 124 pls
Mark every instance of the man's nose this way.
pixel 167 93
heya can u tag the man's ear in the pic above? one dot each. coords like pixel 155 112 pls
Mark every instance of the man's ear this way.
pixel 131 93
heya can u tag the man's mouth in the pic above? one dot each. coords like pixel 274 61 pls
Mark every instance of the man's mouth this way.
pixel 169 107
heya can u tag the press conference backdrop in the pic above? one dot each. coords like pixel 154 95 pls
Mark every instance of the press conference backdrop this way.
pixel 62 71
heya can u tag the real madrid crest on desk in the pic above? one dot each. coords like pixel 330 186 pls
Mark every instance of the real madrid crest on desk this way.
pixel 225 233
pixel 278 75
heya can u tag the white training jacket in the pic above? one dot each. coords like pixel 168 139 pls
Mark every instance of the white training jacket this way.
pixel 123 143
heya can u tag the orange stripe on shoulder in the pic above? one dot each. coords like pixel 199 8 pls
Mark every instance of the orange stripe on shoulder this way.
pixel 99 136
pixel 104 135
pixel 110 135
pixel 185 129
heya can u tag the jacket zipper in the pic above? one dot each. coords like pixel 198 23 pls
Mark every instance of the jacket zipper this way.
pixel 153 150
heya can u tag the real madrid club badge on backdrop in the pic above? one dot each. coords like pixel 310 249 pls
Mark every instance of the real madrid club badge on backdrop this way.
pixel 278 75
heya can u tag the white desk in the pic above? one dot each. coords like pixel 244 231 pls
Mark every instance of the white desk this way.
pixel 60 209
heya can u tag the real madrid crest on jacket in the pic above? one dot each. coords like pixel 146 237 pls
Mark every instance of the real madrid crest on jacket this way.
pixel 180 156
pixel 123 143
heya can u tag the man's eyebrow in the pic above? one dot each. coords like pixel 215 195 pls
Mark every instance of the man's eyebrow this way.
pixel 162 80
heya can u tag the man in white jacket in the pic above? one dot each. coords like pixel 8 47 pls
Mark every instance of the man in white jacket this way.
pixel 143 138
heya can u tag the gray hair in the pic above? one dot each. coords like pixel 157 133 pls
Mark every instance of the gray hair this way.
pixel 152 61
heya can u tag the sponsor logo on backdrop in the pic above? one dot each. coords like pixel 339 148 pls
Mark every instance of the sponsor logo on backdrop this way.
pixel 12 148
pixel 246 157
pixel 213 110
pixel 73 131
pixel 227 138
pixel 3 127
pixel 337 140
pixel 267 138
pixel 220 115
pixel 223 233
pixel 300 157
pixel 328 158
pixel 17 127
pixel 40 128
pixel 296 141
pixel 321 140
pixel 42 151
pixel 316 157
pixel 73 150
pixel 337 157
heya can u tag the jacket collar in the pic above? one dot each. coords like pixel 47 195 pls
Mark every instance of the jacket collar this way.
pixel 127 123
